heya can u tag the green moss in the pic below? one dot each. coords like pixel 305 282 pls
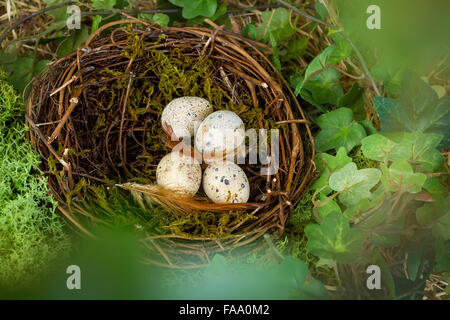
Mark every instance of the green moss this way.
pixel 32 236
pixel 361 161
pixel 116 206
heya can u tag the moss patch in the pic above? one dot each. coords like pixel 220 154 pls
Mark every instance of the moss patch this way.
pixel 32 236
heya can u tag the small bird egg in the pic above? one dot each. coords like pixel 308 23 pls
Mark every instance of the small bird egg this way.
pixel 220 134
pixel 226 182
pixel 185 114
pixel 179 173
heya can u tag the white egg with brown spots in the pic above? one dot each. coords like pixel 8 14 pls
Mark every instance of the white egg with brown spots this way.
pixel 226 182
pixel 220 135
pixel 179 173
pixel 185 114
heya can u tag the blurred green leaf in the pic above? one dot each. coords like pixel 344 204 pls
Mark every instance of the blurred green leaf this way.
pixel 386 275
pixel 436 215
pixel 442 249
pixel 384 240
pixel 390 77
pixel 286 280
pixel 401 177
pixel 417 110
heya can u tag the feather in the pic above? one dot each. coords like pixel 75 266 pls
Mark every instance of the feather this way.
pixel 180 202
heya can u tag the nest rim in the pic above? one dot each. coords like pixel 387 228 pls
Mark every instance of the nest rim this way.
pixel 299 165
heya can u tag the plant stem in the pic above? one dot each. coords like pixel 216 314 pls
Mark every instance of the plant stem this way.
pixel 355 49
pixel 34 14
pixel 302 13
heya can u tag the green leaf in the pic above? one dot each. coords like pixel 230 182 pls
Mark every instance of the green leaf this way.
pixel 71 43
pixel 441 229
pixel 338 130
pixel 96 23
pixel 321 10
pixel 387 237
pixel 161 19
pixel 390 77
pixel 442 250
pixel 278 23
pixel 353 100
pixel 418 149
pixel 422 148
pixel 378 147
pixel 401 177
pixel 320 62
pixel 192 9
pixel 329 56
pixel 103 4
pixel 249 31
pixel 221 10
pixel 328 164
pixel 275 55
pixel 436 215
pixel 415 251
pixel 330 206
pixel 333 239
pixel 418 110
pixel 354 184
pixel 295 49
pixel 384 240
pixel 323 88
pixel 367 206
pixel 25 68
pixel 313 290
pixel 288 280
pixel 435 188
pixel 368 126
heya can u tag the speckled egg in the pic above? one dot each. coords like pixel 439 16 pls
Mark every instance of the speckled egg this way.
pixel 221 133
pixel 185 114
pixel 179 173
pixel 226 182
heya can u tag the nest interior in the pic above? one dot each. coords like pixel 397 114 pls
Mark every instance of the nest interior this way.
pixel 95 119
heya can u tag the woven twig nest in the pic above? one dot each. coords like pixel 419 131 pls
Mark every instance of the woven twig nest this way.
pixel 95 119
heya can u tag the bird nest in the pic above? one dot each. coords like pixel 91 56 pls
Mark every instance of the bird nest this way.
pixel 95 119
